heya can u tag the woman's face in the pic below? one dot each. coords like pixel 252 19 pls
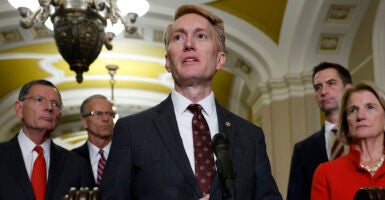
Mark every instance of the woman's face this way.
pixel 365 116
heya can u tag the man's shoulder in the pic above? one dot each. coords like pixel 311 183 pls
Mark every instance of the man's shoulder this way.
pixel 12 143
pixel 311 149
pixel 81 150
pixel 161 109
pixel 312 139
pixel 226 114
pixel 66 154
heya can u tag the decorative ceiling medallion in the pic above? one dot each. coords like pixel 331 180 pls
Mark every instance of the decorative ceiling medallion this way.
pixel 330 43
pixel 341 14
pixel 11 35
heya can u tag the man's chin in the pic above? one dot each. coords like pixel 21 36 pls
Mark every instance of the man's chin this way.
pixel 329 109
pixel 104 136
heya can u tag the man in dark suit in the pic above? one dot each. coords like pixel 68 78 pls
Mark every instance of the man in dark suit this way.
pixel 330 80
pixel 98 119
pixel 152 153
pixel 39 108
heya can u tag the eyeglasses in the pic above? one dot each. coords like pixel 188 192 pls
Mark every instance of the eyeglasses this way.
pixel 100 114
pixel 39 100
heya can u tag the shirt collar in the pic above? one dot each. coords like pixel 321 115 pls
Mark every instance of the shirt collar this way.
pixel 94 150
pixel 181 103
pixel 329 126
pixel 28 145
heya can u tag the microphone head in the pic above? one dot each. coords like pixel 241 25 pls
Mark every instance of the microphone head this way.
pixel 220 143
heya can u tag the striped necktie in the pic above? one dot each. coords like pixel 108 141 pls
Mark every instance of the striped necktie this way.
pixel 337 148
pixel 101 165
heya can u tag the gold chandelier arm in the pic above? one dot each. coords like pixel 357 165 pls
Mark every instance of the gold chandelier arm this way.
pixel 27 19
pixel 128 22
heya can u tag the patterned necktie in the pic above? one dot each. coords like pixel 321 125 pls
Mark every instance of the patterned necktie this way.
pixel 39 175
pixel 101 165
pixel 204 158
pixel 337 148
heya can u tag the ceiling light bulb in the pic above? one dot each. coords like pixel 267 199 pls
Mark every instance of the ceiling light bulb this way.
pixel 140 7
pixel 33 5
pixel 116 28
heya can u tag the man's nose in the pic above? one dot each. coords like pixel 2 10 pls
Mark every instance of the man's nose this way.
pixel 189 44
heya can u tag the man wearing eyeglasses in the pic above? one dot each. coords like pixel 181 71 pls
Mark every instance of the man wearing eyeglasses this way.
pixel 98 119
pixel 32 166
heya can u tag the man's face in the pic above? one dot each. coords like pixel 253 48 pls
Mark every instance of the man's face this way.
pixel 192 55
pixel 38 111
pixel 99 126
pixel 329 89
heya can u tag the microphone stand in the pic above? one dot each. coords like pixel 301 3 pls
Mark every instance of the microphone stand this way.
pixel 227 183
pixel 221 148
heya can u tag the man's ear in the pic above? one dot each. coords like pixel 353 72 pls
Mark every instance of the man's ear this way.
pixel 167 64
pixel 18 106
pixel 83 120
pixel 221 60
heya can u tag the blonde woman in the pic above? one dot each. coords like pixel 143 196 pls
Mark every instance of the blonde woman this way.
pixel 361 125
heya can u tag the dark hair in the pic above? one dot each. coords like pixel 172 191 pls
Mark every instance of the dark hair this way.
pixel 214 20
pixel 343 73
pixel 83 110
pixel 24 91
pixel 362 86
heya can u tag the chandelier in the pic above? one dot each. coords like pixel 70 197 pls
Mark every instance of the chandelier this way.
pixel 79 25
pixel 112 72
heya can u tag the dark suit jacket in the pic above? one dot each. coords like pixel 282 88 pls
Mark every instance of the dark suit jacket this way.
pixel 147 160
pixel 307 155
pixel 85 153
pixel 66 170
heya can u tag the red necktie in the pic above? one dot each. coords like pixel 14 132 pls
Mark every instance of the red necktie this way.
pixel 101 165
pixel 39 175
pixel 204 158
pixel 337 148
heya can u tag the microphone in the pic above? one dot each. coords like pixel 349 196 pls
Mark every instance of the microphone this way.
pixel 221 147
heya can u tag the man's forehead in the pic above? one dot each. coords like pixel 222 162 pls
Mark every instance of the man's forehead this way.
pixel 40 87
pixel 42 90
pixel 180 22
pixel 326 75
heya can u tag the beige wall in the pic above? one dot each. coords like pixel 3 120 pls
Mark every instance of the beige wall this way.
pixel 287 112
pixel 361 55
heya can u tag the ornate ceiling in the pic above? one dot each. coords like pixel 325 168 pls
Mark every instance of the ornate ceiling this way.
pixel 141 79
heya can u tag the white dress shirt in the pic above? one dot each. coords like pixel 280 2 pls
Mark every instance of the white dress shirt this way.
pixel 184 120
pixel 29 155
pixel 95 156
pixel 330 137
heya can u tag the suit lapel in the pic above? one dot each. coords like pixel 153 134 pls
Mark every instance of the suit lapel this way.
pixel 225 125
pixel 322 143
pixel 165 123
pixel 55 167
pixel 85 153
pixel 15 161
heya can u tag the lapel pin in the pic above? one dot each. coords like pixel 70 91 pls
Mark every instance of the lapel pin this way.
pixel 228 124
